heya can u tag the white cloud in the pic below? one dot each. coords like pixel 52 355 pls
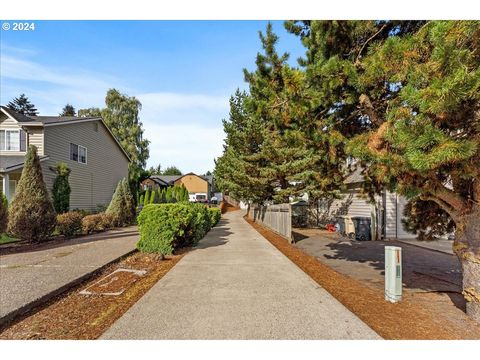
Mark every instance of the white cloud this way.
pixel 51 88
pixel 191 148
pixel 184 129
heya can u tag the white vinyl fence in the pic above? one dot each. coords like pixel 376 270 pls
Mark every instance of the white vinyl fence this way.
pixel 276 217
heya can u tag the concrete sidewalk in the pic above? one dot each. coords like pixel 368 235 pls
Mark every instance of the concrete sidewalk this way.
pixel 29 278
pixel 236 285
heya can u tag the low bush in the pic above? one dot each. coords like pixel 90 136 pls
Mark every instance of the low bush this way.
pixel 96 222
pixel 69 223
pixel 166 227
pixel 215 214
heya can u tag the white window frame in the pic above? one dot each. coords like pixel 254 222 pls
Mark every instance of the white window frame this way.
pixel 79 157
pixel 78 153
pixel 5 139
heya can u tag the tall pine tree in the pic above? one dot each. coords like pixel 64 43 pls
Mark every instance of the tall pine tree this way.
pixel 405 97
pixel 23 106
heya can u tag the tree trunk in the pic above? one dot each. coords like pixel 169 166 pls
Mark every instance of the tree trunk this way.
pixel 467 248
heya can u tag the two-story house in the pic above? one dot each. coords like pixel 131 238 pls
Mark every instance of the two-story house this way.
pixel 88 147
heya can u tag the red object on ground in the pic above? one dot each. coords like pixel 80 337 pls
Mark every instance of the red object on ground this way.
pixel 331 227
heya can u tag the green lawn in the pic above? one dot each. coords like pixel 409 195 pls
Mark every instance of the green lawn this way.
pixel 5 239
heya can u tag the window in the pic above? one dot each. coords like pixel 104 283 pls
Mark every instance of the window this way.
pixel 82 154
pixel 78 153
pixel 13 140
pixel 73 152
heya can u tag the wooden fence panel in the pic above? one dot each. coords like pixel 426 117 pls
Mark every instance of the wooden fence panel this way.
pixel 276 217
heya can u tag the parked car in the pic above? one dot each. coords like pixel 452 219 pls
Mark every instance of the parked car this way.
pixel 201 198
pixel 213 200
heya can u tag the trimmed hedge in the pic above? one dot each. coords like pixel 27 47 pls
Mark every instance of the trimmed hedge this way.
pixel 166 227
pixel 69 224
pixel 215 214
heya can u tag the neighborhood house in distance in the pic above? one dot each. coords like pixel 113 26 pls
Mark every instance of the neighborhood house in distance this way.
pixel 200 188
pixel 85 144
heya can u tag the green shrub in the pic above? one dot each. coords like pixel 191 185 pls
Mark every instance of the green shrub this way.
pixel 3 212
pixel 31 215
pixel 202 223
pixel 215 215
pixel 166 227
pixel 69 223
pixel 61 189
pixel 96 222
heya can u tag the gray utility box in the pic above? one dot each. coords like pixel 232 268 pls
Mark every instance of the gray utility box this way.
pixel 393 273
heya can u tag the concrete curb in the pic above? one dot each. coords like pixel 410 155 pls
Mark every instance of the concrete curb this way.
pixel 15 314
pixel 426 248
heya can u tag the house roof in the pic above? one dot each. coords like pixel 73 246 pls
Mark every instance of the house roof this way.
pixel 356 176
pixel 170 179
pixel 27 120
pixel 9 163
pixel 165 179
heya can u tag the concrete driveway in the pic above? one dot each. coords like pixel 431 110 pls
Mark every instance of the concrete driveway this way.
pixel 29 278
pixel 236 285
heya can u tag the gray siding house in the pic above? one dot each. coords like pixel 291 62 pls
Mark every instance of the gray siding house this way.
pixel 386 213
pixel 86 145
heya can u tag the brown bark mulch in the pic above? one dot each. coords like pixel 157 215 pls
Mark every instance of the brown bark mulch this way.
pixel 403 320
pixel 226 207
pixel 87 317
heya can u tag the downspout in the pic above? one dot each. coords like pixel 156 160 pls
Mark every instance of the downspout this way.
pixel 396 216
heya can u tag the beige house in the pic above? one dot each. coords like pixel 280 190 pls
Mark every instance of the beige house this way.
pixel 86 145
pixel 200 188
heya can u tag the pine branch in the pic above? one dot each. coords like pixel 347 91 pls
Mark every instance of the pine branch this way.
pixel 357 60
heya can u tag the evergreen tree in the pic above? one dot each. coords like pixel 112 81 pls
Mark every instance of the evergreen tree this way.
pixel 276 98
pixel 68 110
pixel 168 195
pixel 404 96
pixel 142 199
pixel 31 214
pixel 153 197
pixel 117 205
pixel 129 211
pixel 61 189
pixel 157 170
pixel 122 206
pixel 164 196
pixel 146 197
pixel 238 169
pixel 23 106
pixel 185 194
pixel 3 212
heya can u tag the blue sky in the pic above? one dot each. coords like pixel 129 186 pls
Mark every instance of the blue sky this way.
pixel 183 72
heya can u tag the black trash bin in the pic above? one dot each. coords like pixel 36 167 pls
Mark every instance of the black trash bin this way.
pixel 362 228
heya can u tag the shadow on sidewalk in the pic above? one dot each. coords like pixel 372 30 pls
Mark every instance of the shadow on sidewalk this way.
pixel 217 236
